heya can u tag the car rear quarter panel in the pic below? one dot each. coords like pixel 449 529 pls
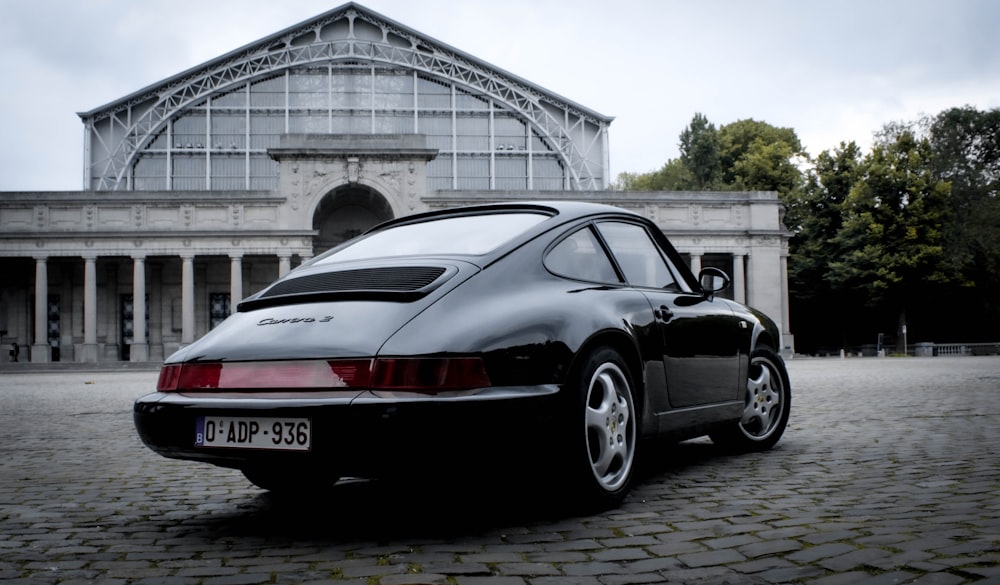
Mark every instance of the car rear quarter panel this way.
pixel 528 323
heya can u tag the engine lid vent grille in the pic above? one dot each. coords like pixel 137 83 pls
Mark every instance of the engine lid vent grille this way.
pixel 391 283
pixel 397 279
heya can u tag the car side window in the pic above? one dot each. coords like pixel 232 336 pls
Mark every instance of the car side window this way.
pixel 581 257
pixel 638 255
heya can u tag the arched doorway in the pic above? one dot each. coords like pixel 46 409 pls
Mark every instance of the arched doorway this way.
pixel 345 213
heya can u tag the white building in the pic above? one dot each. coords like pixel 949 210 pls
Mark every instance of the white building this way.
pixel 201 189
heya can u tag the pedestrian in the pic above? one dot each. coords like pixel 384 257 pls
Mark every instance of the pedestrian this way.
pixel 14 351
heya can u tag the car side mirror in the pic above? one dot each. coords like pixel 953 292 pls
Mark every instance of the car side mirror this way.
pixel 713 280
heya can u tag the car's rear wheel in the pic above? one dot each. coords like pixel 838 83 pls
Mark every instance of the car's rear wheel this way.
pixel 767 403
pixel 604 432
pixel 288 480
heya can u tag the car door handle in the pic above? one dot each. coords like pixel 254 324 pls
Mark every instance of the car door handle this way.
pixel 663 313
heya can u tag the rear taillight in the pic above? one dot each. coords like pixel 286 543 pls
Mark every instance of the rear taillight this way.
pixel 426 375
pixel 169 375
pixel 265 375
pixel 429 374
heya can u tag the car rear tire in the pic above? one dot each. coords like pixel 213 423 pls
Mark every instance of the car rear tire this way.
pixel 603 431
pixel 767 403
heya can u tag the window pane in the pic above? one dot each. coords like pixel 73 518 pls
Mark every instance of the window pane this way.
pixel 263 173
pixel 228 172
pixel 393 91
pixel 547 174
pixel 473 172
pixel 150 173
pixel 268 93
pixel 473 134
pixel 433 95
pixel 637 255
pixel 265 130
pixel 308 90
pixel 190 131
pixel 190 172
pixel 303 123
pixel 228 131
pixel 470 234
pixel 580 256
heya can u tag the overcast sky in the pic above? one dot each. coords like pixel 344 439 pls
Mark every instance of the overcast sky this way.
pixel 832 70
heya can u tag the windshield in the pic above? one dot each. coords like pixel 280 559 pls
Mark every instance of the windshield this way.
pixel 465 234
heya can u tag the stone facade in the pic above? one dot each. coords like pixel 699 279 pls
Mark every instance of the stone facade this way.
pixel 205 187
pixel 85 257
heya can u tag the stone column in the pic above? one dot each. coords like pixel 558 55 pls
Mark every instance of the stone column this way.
pixel 40 350
pixel 235 280
pixel 284 264
pixel 187 299
pixel 139 352
pixel 788 340
pixel 696 263
pixel 89 352
pixel 739 279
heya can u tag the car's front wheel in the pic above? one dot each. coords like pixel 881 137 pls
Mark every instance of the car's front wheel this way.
pixel 767 403
pixel 604 431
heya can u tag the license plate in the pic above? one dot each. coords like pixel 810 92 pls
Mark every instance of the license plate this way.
pixel 235 432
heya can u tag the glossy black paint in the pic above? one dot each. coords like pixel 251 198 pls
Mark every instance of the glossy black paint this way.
pixel 687 350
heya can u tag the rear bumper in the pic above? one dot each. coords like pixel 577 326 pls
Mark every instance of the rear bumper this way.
pixel 360 434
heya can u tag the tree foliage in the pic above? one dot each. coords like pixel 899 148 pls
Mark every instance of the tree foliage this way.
pixel 700 153
pixel 966 145
pixel 907 233
pixel 745 155
pixel 891 241
pixel 673 176
pixel 757 156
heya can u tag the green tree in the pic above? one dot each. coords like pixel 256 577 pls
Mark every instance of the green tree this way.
pixel 672 176
pixel 699 146
pixel 816 218
pixel 891 242
pixel 758 156
pixel 966 145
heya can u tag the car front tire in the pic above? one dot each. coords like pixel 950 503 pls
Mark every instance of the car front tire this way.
pixel 767 403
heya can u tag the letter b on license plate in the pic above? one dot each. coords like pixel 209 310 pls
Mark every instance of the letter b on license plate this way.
pixel 236 432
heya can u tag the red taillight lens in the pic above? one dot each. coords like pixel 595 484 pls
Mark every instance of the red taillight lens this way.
pixel 169 375
pixel 427 375
pixel 265 375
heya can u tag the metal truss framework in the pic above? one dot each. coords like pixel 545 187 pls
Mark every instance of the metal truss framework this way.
pixel 123 130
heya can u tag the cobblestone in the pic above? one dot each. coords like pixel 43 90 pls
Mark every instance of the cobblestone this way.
pixel 888 473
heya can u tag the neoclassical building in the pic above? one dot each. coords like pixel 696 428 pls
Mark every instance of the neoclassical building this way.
pixel 201 189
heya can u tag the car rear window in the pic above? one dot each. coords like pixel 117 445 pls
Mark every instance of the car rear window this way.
pixel 464 234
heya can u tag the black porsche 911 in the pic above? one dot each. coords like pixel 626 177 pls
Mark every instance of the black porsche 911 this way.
pixel 557 334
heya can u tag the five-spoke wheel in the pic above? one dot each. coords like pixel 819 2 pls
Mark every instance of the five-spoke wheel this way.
pixel 767 400
pixel 602 430
pixel 610 423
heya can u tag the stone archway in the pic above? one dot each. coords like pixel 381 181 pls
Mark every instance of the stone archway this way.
pixel 345 213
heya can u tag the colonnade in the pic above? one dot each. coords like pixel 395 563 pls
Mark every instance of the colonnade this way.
pixel 737 271
pixel 139 347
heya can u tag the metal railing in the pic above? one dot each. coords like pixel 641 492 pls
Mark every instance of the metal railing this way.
pixel 955 349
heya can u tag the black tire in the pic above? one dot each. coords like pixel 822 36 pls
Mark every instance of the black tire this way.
pixel 282 480
pixel 603 430
pixel 768 402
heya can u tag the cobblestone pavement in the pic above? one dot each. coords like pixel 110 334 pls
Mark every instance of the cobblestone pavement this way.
pixel 889 473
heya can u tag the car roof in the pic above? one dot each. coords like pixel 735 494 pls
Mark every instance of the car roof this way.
pixel 564 210
pixel 559 213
